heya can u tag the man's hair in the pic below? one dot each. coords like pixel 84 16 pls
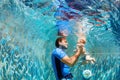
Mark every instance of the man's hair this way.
pixel 59 40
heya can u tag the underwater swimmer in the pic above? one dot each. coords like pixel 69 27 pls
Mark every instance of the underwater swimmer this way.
pixel 61 62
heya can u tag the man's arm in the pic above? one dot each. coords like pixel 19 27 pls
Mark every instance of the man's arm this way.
pixel 72 60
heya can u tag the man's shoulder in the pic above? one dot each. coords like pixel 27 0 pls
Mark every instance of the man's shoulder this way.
pixel 57 51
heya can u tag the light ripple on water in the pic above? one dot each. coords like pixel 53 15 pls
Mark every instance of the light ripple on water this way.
pixel 27 35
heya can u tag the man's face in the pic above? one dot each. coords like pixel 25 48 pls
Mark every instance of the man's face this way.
pixel 64 44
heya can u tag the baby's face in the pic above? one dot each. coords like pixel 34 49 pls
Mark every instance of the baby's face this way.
pixel 83 41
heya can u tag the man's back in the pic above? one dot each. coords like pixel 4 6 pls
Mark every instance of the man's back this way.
pixel 60 69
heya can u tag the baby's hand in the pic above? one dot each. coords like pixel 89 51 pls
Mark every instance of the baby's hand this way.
pixel 80 45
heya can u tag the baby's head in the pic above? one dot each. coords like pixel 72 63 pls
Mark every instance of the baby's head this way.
pixel 82 40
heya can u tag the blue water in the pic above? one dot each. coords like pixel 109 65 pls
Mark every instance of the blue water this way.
pixel 28 33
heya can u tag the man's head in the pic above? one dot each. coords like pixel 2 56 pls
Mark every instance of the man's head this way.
pixel 61 42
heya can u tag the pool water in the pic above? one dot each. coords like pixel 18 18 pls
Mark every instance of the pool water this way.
pixel 28 33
